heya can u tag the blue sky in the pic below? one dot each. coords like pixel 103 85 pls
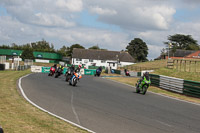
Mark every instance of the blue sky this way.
pixel 109 24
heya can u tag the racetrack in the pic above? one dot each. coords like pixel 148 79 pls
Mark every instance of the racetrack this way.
pixel 105 106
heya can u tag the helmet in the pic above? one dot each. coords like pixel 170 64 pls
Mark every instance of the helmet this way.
pixel 55 65
pixel 79 66
pixel 146 74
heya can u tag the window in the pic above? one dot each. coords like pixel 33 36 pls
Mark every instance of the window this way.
pixel 90 60
pixel 78 59
pixel 199 54
pixel 113 64
pixel 103 61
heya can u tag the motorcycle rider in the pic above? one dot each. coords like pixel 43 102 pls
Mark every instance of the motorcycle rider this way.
pixel 55 66
pixel 146 75
pixel 78 68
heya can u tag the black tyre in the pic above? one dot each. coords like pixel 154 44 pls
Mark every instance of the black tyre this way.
pixel 75 82
pixel 137 88
pixel 67 78
pixel 56 76
pixel 144 90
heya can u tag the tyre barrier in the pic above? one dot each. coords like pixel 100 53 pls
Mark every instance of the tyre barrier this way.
pixel 2 66
pixel 186 87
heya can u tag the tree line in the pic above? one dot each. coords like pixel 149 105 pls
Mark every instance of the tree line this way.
pixel 137 48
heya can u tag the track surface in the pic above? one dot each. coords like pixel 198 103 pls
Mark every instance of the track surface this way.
pixel 105 106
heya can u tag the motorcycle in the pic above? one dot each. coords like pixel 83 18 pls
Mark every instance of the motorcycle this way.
pixel 68 75
pixel 58 72
pixel 127 73
pixel 98 73
pixel 52 71
pixel 74 79
pixel 142 86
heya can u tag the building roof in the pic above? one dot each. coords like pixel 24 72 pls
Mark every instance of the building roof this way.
pixel 181 53
pixel 102 55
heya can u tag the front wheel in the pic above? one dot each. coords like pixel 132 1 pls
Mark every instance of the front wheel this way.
pixel 56 76
pixel 74 81
pixel 137 88
pixel 144 89
pixel 67 78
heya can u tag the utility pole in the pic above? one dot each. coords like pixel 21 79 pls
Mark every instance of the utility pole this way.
pixel 169 46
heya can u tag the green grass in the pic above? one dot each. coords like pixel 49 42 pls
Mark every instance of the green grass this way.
pixel 19 116
pixel 150 65
pixel 178 74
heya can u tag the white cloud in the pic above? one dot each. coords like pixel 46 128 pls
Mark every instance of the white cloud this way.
pixel 102 11
pixel 51 20
pixel 72 5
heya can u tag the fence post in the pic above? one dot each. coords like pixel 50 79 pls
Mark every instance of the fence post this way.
pixel 185 66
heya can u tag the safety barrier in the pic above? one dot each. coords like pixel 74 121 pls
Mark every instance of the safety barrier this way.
pixel 172 84
pixel 186 87
pixel 2 66
pixel 191 88
pixel 90 71
pixel 24 67
pixel 155 80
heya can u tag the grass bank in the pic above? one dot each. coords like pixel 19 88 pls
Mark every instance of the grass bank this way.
pixel 18 116
pixel 178 74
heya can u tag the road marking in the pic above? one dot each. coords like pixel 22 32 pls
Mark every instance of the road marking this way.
pixel 73 109
pixel 164 123
pixel 24 95
pixel 158 93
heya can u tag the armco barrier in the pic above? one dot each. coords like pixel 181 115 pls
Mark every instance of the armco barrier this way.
pixel 191 88
pixel 172 84
pixel 186 87
pixel 155 80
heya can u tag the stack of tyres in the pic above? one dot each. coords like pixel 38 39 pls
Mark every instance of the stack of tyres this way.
pixel 2 66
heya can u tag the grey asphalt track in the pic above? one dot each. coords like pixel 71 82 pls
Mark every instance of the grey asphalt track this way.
pixel 105 106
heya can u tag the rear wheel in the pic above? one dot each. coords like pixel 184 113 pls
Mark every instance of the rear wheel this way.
pixel 137 88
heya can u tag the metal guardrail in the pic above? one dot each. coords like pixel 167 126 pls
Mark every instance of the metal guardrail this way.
pixel 186 87
pixel 172 84
pixel 191 88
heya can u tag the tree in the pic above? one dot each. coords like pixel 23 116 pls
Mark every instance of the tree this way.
pixel 27 54
pixel 63 51
pixel 94 47
pixel 43 46
pixel 138 50
pixel 180 41
pixel 69 52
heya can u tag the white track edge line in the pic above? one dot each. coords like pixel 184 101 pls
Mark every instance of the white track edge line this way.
pixel 159 94
pixel 20 87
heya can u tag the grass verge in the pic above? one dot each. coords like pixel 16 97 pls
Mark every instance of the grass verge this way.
pixel 18 116
pixel 178 74
pixel 133 80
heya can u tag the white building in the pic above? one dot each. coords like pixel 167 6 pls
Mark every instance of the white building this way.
pixel 90 57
